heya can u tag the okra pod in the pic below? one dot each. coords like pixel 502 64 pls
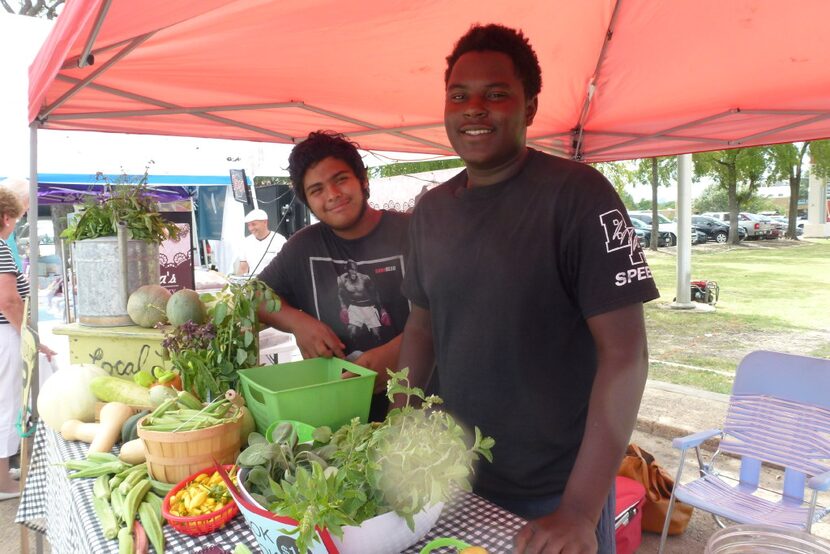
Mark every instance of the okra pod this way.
pixel 98 470
pixel 188 400
pixel 101 457
pixel 117 501
pixel 77 465
pixel 133 500
pixel 163 407
pixel 115 480
pixel 129 469
pixel 149 518
pixel 125 540
pixel 109 523
pixel 132 480
pixel 101 488
pixel 160 488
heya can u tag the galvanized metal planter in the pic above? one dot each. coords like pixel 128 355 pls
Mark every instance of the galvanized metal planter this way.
pixel 106 278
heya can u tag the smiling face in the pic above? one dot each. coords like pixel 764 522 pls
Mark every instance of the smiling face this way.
pixel 258 228
pixel 486 115
pixel 337 197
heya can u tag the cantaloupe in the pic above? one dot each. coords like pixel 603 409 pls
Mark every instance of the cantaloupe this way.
pixel 147 306
pixel 185 305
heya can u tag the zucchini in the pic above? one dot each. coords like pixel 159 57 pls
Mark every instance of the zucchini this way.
pixel 129 430
pixel 115 389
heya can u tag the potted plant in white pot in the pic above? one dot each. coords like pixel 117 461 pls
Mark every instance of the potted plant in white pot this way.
pixel 115 249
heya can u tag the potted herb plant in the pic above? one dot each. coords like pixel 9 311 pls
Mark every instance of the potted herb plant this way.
pixel 115 248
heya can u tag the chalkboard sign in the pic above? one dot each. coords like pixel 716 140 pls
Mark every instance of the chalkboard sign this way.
pixel 239 183
pixel 176 256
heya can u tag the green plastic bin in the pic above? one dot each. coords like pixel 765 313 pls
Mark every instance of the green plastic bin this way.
pixel 311 391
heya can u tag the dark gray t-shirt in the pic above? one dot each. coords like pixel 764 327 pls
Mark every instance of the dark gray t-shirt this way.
pixel 510 273
pixel 311 274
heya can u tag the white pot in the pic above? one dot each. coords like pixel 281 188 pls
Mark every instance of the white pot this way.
pixel 384 534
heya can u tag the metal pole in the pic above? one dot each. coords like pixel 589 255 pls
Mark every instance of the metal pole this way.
pixel 34 258
pixel 684 232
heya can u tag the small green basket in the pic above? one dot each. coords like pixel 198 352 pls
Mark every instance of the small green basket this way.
pixel 312 391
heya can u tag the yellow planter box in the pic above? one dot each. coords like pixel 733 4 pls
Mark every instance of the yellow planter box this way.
pixel 121 351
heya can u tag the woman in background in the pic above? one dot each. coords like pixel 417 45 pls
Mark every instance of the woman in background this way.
pixel 14 287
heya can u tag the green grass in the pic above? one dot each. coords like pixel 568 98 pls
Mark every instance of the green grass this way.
pixel 773 296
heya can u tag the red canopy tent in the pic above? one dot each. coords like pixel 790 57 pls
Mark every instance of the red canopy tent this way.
pixel 621 78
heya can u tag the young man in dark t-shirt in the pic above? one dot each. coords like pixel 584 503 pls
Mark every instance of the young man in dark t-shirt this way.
pixel 329 176
pixel 527 285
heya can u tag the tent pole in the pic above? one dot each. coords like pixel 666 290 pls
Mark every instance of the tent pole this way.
pixel 34 250
pixel 684 230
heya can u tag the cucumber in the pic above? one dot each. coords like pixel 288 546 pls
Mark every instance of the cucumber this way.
pixel 115 389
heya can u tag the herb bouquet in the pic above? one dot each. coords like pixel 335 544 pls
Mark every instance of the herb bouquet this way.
pixel 208 355
pixel 412 460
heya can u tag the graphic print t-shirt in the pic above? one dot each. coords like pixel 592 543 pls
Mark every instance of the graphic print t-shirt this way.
pixel 354 286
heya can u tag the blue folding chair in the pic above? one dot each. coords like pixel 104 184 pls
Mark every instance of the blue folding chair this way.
pixel 779 414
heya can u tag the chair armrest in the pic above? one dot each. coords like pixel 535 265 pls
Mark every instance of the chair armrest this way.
pixel 696 439
pixel 820 482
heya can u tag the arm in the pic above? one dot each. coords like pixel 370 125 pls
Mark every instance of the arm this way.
pixel 417 350
pixel 243 268
pixel 622 368
pixel 380 359
pixel 11 305
pixel 314 337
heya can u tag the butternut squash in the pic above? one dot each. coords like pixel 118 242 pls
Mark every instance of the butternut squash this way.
pixel 77 430
pixel 113 415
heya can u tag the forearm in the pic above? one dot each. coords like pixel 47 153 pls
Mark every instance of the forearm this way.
pixel 417 349
pixel 288 319
pixel 622 369
pixel 12 309
pixel 243 268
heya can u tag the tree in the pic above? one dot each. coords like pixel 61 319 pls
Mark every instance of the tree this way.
pixel 656 172
pixel 407 168
pixel 739 172
pixel 788 160
pixel 38 8
pixel 715 199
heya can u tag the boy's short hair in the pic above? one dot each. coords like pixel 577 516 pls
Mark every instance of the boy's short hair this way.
pixel 498 38
pixel 318 146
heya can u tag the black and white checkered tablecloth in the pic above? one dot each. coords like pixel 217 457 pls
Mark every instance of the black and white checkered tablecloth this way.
pixel 72 527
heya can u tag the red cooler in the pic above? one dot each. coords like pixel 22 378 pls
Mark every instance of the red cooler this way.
pixel 628 521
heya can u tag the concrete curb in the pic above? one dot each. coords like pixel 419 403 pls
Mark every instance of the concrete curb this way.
pixel 670 411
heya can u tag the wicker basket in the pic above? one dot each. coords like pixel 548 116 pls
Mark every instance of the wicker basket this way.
pixel 172 456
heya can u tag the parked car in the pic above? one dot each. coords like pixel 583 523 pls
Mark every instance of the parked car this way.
pixel 783 222
pixel 667 226
pixel 753 225
pixel 714 229
pixel 643 233
pixel 664 224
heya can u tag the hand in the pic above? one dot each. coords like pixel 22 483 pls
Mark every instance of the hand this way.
pixel 379 360
pixel 46 351
pixel 385 320
pixel 344 316
pixel 316 339
pixel 564 531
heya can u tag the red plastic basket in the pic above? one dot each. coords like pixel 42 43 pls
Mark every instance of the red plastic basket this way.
pixel 201 524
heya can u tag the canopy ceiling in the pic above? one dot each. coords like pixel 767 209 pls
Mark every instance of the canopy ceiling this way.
pixel 621 78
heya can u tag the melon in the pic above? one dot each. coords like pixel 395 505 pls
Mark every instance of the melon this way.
pixel 147 306
pixel 185 305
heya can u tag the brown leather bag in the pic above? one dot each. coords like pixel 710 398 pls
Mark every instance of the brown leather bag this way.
pixel 640 466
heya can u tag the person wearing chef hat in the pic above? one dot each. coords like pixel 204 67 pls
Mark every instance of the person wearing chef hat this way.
pixel 261 246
